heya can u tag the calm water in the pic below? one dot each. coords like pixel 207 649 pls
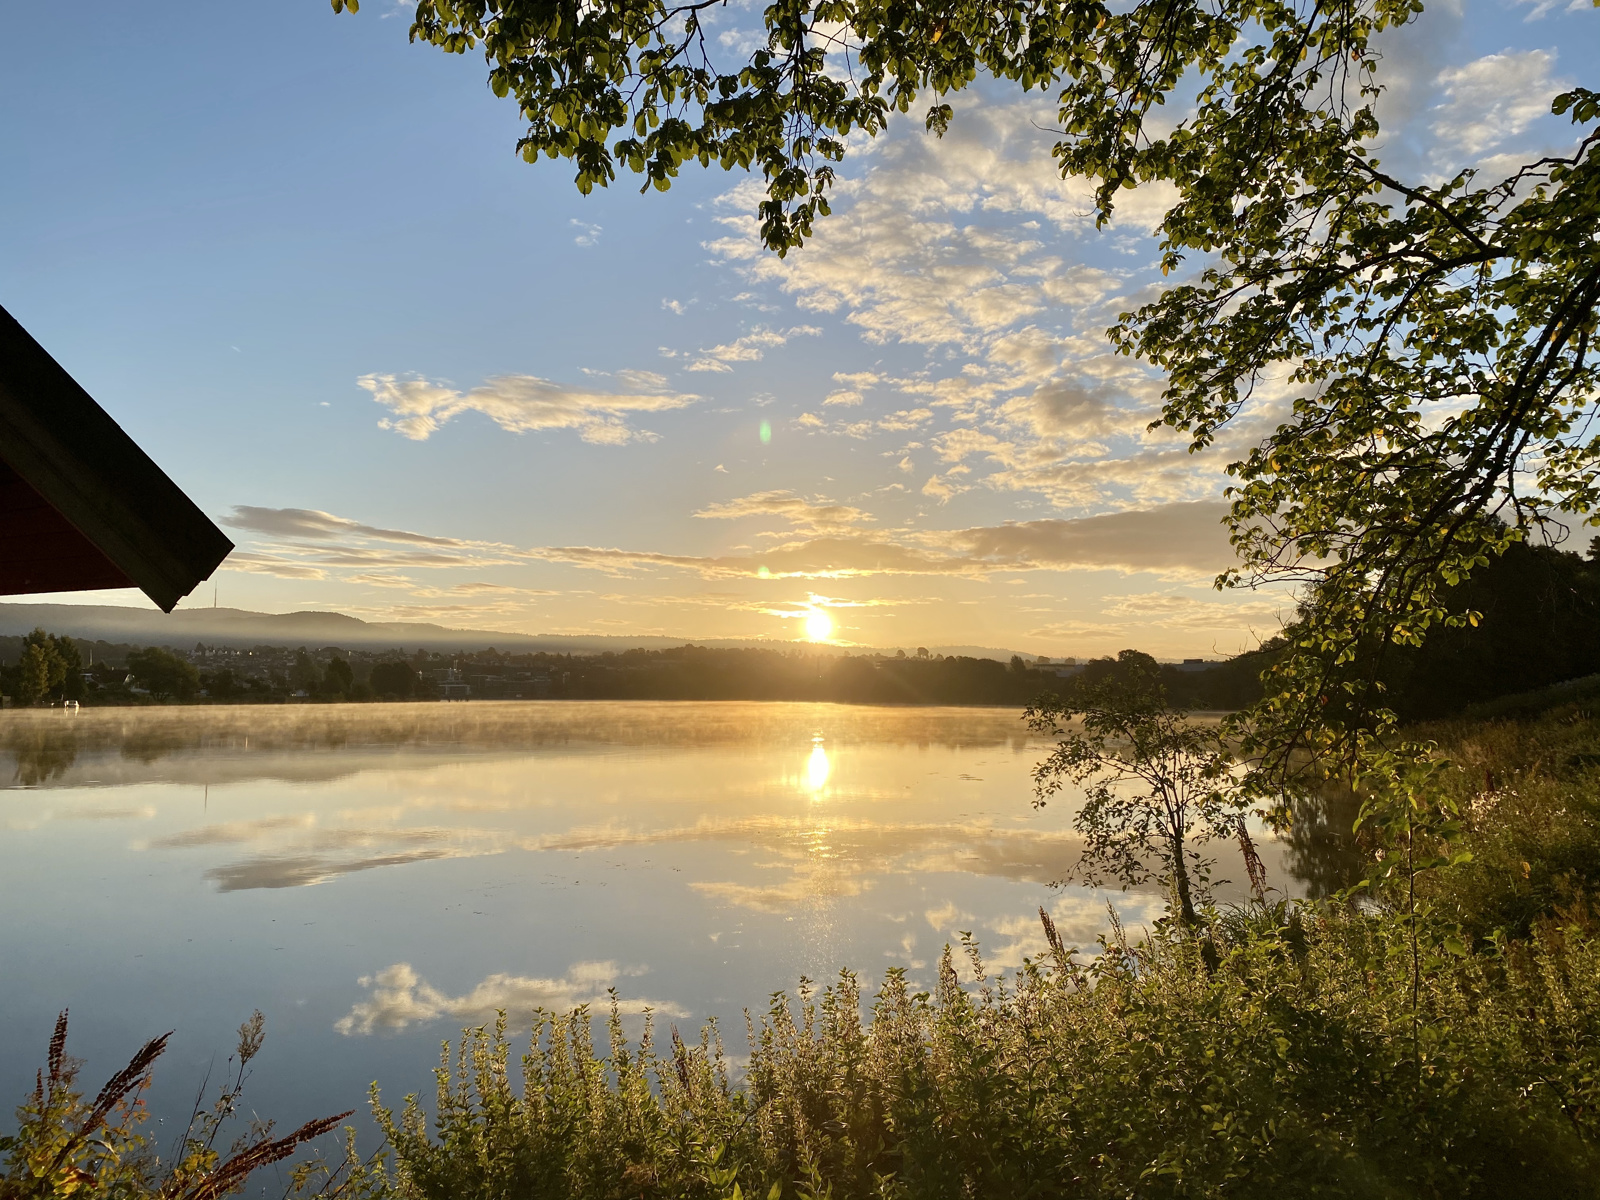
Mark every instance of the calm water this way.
pixel 375 877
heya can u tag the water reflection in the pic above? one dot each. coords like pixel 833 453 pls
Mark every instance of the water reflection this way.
pixel 373 876
pixel 1323 855
pixel 817 766
pixel 40 753
pixel 399 997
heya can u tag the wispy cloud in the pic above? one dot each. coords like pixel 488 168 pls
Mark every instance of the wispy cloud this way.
pixel 313 524
pixel 1493 99
pixel 750 348
pixel 815 515
pixel 307 543
pixel 970 246
pixel 1180 540
pixel 522 404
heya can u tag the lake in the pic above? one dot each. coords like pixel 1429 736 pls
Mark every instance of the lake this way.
pixel 374 877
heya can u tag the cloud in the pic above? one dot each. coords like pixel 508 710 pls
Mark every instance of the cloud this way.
pixel 1493 98
pixel 400 997
pixel 481 588
pixel 816 558
pixel 307 543
pixel 861 380
pixel 1176 537
pixel 1075 412
pixel 520 404
pixel 970 247
pixel 1543 8
pixel 1176 611
pixel 824 539
pixel 267 564
pixel 818 516
pixel 750 348
pixel 313 524
pixel 933 244
pixel 1174 540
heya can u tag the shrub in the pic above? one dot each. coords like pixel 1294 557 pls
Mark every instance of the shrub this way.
pixel 1296 1066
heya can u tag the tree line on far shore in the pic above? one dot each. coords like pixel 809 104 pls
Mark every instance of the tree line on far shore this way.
pixel 1539 625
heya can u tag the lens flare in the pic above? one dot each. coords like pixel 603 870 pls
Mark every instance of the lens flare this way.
pixel 819 625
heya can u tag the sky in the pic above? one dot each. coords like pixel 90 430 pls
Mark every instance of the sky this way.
pixel 416 378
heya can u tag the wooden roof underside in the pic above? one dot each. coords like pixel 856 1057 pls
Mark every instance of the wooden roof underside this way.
pixel 82 507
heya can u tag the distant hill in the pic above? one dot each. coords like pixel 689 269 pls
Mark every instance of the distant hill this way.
pixel 235 627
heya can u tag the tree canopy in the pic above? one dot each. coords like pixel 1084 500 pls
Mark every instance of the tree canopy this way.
pixel 1434 337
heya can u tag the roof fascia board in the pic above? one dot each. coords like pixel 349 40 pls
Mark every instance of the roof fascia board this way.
pixel 70 450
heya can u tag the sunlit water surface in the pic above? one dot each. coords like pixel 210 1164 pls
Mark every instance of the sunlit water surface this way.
pixel 376 877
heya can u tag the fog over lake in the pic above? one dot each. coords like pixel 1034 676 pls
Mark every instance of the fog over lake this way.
pixel 375 877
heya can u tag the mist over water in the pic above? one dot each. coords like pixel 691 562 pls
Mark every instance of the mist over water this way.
pixel 375 877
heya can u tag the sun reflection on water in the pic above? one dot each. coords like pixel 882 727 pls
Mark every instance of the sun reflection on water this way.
pixel 817 766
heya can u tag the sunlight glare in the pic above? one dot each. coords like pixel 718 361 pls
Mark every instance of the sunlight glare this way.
pixel 819 625
pixel 817 766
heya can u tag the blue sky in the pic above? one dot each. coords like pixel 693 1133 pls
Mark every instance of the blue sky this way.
pixel 298 259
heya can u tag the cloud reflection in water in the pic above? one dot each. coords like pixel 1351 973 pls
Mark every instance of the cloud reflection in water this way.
pixel 400 997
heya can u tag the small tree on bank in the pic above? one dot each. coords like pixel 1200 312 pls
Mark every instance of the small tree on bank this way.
pixel 1156 785
pixel 164 674
pixel 48 669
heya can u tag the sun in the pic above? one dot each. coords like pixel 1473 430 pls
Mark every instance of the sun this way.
pixel 819 625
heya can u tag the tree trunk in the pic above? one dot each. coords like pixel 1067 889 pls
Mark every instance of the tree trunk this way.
pixel 1180 882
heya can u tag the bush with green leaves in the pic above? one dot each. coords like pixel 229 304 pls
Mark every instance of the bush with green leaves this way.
pixel 1302 1063
pixel 163 674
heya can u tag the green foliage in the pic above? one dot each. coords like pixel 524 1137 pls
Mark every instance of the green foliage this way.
pixel 305 675
pixel 47 668
pixel 1526 795
pixel 68 1146
pixel 395 680
pixel 1292 1066
pixel 1538 623
pixel 1155 784
pixel 222 685
pixel 339 678
pixel 164 674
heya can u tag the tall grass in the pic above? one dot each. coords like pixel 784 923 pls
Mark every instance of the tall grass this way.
pixel 1293 1067
pixel 67 1145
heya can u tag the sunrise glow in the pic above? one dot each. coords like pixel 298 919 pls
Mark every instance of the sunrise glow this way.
pixel 819 625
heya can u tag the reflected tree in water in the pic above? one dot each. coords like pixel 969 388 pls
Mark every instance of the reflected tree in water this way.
pixel 39 755
pixel 1324 852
